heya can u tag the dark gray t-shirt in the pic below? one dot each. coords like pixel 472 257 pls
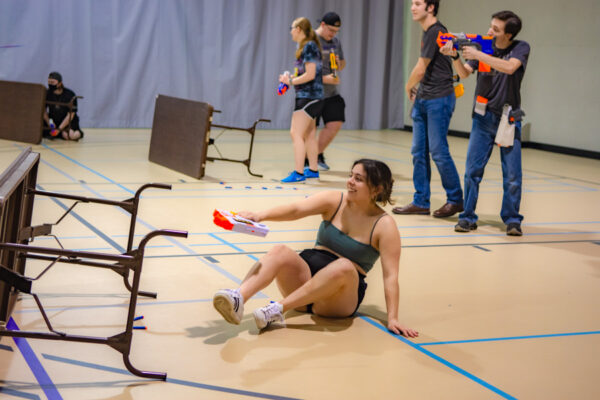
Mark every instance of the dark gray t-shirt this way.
pixel 500 88
pixel 329 46
pixel 437 81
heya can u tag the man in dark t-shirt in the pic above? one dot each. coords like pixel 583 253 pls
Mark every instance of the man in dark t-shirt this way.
pixel 60 121
pixel 333 114
pixel 496 88
pixel 433 106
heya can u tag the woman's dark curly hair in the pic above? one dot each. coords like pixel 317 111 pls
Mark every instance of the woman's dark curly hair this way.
pixel 378 174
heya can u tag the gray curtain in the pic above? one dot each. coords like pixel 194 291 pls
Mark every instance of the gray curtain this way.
pixel 120 54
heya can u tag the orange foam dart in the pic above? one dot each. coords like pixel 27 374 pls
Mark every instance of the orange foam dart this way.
pixel 230 221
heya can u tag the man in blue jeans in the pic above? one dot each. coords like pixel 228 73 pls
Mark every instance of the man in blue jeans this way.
pixel 497 86
pixel 432 109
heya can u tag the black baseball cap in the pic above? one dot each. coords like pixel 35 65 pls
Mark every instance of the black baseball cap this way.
pixel 55 75
pixel 332 18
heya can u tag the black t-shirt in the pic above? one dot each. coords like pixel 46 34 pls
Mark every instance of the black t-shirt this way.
pixel 500 88
pixel 437 81
pixel 58 113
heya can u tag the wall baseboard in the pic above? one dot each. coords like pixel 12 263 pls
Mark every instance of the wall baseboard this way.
pixel 534 145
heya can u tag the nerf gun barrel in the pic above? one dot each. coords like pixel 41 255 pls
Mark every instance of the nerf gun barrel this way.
pixel 282 88
pixel 333 62
pixel 460 40
pixel 232 222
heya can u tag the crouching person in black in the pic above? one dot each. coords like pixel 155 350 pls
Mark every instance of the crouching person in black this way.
pixel 60 118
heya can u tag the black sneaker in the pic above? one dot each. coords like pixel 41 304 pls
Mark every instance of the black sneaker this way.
pixel 514 229
pixel 322 164
pixel 464 226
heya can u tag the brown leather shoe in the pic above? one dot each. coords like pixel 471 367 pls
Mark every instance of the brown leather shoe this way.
pixel 448 210
pixel 410 209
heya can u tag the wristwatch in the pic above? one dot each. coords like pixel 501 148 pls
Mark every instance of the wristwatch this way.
pixel 456 57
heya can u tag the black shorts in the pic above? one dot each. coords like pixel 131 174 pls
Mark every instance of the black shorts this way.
pixel 333 110
pixel 318 259
pixel 312 107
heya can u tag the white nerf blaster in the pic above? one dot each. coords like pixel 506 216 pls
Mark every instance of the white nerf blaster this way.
pixel 232 222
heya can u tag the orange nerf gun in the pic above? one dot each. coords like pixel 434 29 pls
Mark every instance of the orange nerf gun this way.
pixel 232 222
pixel 460 40
pixel 333 62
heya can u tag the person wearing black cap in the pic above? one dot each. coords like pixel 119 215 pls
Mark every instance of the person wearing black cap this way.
pixel 61 114
pixel 333 115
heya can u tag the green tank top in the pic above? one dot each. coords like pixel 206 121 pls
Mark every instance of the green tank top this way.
pixel 337 241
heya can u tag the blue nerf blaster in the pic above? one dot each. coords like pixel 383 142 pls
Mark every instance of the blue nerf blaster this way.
pixel 282 88
pixel 460 40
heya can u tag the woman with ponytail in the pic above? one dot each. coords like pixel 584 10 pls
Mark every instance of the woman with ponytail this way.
pixel 308 83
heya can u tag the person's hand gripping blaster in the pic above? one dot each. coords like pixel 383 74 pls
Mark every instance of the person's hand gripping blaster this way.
pixel 333 62
pixel 283 86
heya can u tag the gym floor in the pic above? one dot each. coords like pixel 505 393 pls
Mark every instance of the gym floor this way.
pixel 498 316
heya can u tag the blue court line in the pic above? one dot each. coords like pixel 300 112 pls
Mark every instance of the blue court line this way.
pixel 251 243
pixel 34 364
pixel 497 234
pixel 233 246
pixel 46 163
pixel 16 393
pixel 511 338
pixel 169 380
pixel 403 246
pixel 88 225
pixel 142 304
pixel 400 227
pixel 481 248
pixel 5 347
pixel 87 168
pixel 554 182
pixel 440 359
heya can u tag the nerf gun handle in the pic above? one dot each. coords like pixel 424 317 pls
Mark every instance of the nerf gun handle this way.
pixel 53 131
pixel 282 88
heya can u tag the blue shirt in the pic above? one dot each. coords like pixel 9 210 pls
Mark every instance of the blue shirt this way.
pixel 314 88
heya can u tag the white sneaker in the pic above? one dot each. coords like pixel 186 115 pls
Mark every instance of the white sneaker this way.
pixel 230 304
pixel 266 315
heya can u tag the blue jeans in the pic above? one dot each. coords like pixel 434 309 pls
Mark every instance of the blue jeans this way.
pixel 431 119
pixel 481 144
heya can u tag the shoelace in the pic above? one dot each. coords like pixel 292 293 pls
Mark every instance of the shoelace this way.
pixel 272 313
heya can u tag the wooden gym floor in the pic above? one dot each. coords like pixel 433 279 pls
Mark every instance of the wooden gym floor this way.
pixel 499 317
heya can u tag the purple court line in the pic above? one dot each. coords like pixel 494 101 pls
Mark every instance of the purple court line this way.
pixel 34 364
